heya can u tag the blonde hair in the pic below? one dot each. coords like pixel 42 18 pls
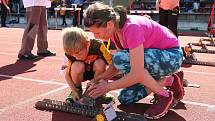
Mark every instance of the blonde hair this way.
pixel 74 39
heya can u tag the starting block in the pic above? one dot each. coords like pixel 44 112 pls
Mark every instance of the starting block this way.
pixel 106 113
pixel 191 59
pixel 204 49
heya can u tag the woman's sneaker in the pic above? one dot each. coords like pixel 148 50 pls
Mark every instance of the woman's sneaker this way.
pixel 159 108
pixel 177 87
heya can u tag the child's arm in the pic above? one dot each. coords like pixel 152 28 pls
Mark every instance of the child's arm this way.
pixel 108 74
pixel 67 69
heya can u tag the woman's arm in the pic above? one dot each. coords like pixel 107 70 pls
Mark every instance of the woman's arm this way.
pixel 136 75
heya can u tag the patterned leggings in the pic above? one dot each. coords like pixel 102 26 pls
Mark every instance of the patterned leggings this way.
pixel 158 62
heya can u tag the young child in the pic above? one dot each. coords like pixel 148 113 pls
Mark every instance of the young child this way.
pixel 63 12
pixel 84 59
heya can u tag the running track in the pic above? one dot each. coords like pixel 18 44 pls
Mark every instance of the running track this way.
pixel 22 83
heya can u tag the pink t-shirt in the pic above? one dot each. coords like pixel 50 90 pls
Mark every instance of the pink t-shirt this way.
pixel 141 30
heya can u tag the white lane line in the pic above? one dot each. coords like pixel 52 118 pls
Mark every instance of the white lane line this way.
pixel 14 43
pixel 54 58
pixel 203 73
pixel 210 107
pixel 32 99
pixel 34 80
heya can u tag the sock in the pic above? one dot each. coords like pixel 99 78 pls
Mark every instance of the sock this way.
pixel 168 80
pixel 163 93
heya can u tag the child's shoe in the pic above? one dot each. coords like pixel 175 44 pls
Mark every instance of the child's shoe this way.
pixel 105 99
pixel 159 108
pixel 69 98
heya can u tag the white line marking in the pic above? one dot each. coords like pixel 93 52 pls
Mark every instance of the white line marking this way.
pixel 34 80
pixel 210 107
pixel 54 58
pixel 14 43
pixel 34 98
pixel 212 74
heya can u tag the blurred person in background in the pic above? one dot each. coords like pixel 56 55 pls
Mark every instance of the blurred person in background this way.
pixel 5 9
pixel 168 14
pixel 36 25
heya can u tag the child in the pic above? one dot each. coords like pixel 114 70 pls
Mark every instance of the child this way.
pixel 63 12
pixel 85 59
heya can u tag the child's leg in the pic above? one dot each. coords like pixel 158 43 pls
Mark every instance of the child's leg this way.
pixel 99 67
pixel 77 71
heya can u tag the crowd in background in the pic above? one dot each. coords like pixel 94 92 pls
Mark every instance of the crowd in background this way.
pixel 189 6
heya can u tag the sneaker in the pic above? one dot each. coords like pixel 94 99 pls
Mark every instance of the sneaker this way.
pixel 160 107
pixel 27 57
pixel 47 53
pixel 177 87
pixel 69 98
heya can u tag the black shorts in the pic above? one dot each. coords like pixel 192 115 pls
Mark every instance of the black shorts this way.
pixel 89 73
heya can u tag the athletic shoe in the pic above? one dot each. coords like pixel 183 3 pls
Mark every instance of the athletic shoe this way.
pixel 177 87
pixel 27 57
pixel 47 53
pixel 160 107
pixel 69 98
pixel 105 99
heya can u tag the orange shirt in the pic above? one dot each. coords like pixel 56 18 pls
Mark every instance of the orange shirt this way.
pixel 4 1
pixel 167 4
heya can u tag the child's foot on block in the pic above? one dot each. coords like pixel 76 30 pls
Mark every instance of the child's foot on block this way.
pixel 105 99
pixel 69 98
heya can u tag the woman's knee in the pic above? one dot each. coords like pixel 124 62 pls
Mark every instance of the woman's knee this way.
pixel 121 60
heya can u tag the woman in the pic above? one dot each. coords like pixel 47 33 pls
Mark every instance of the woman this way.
pixel 4 11
pixel 149 51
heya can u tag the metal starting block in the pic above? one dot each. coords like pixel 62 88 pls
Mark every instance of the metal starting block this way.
pixel 202 44
pixel 202 50
pixel 191 59
pixel 106 113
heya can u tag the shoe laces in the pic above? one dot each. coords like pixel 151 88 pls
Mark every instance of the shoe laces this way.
pixel 155 99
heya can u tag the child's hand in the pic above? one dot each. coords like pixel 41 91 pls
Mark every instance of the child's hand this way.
pixel 75 96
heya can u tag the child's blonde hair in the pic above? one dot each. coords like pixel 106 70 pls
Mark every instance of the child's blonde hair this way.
pixel 74 39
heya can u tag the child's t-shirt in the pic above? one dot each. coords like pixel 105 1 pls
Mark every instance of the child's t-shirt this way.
pixel 97 50
pixel 141 30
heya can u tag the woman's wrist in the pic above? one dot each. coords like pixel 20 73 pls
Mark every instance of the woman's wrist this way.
pixel 109 86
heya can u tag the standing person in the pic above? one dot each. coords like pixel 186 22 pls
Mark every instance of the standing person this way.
pixel 36 25
pixel 4 11
pixel 147 52
pixel 79 4
pixel 63 12
pixel 168 14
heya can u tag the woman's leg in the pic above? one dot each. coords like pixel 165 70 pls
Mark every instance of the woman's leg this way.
pixel 159 63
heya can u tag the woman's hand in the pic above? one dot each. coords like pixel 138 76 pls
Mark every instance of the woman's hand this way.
pixel 98 89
